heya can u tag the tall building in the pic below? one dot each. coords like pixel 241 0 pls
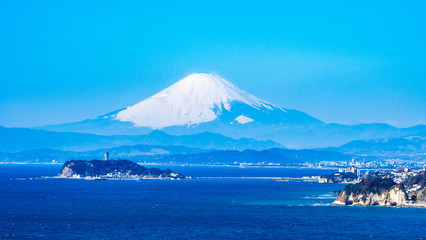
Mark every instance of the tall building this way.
pixel 106 156
pixel 351 169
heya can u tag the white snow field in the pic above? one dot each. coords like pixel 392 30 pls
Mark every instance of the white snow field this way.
pixel 195 99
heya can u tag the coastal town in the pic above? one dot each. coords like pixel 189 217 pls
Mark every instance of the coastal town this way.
pixel 401 186
pixel 355 175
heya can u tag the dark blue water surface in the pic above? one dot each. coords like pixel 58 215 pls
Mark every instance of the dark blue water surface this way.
pixel 190 209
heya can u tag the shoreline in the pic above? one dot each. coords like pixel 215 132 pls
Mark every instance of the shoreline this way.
pixel 211 165
pixel 188 165
pixel 275 179
pixel 408 205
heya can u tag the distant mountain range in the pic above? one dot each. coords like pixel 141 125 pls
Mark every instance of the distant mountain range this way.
pixel 28 145
pixel 180 155
pixel 19 139
pixel 385 147
pixel 122 152
pixel 208 103
pixel 205 119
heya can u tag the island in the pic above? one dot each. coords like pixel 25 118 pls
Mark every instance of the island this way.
pixel 384 191
pixel 114 170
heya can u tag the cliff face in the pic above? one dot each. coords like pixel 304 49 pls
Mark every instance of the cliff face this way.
pixel 375 191
pixel 395 196
pixel 112 169
pixel 385 192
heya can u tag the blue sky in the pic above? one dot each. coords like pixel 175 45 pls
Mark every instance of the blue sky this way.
pixel 340 61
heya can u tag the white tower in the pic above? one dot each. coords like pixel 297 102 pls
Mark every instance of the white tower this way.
pixel 106 156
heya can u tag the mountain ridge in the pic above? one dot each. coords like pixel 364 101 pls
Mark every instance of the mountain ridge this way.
pixel 18 139
pixel 207 103
pixel 181 155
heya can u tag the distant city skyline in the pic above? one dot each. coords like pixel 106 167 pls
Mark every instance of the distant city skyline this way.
pixel 337 61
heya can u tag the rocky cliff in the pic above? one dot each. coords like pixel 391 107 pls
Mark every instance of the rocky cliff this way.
pixel 417 188
pixel 385 192
pixel 375 191
pixel 113 169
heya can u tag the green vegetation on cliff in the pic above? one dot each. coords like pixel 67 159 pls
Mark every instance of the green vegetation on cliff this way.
pixel 370 185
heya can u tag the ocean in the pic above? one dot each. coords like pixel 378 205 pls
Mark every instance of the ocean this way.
pixel 34 208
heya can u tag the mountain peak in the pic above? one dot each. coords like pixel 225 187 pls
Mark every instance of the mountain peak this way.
pixel 201 76
pixel 198 98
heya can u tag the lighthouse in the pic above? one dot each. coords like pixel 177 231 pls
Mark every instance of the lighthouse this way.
pixel 106 156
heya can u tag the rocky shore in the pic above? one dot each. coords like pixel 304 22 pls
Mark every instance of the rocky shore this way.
pixel 113 169
pixel 385 192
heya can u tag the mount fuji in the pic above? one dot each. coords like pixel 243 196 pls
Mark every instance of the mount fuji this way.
pixel 208 103
pixel 193 100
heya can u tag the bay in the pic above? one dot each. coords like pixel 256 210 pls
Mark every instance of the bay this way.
pixel 34 208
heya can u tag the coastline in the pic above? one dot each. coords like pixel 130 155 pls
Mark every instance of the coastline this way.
pixel 408 205
pixel 277 179
pixel 208 165
pixel 186 165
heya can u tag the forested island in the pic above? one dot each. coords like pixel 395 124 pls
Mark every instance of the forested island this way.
pixel 113 169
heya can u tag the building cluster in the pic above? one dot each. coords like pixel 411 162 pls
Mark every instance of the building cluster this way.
pixel 344 175
pixel 354 175
pixel 398 175
pixel 368 163
pixel 350 169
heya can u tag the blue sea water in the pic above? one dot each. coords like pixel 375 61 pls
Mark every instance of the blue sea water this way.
pixel 32 208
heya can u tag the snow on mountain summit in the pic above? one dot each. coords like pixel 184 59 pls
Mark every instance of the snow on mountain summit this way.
pixel 193 100
pixel 243 119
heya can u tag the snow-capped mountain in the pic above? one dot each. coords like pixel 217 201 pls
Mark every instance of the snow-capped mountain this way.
pixel 198 103
pixel 208 103
pixel 196 99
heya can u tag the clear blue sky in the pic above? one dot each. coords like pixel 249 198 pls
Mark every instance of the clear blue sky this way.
pixel 340 61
